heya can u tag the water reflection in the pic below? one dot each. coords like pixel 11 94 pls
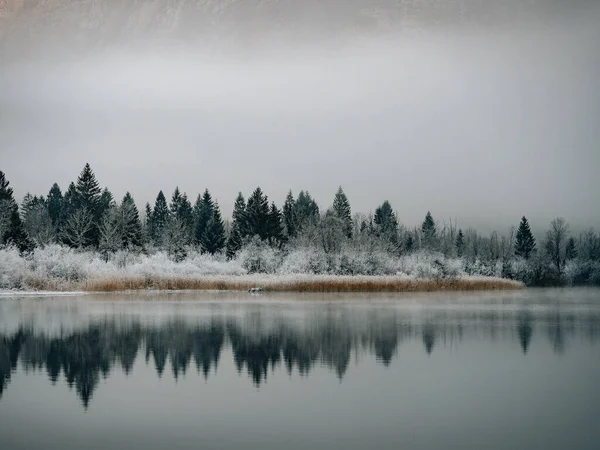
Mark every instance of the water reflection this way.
pixel 262 341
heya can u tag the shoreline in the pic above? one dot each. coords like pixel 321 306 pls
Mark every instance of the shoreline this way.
pixel 272 283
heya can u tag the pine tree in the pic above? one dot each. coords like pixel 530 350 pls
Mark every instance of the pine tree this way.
pixel 409 244
pixel 290 216
pixel 147 223
pixel 88 190
pixel 276 232
pixel 213 238
pixel 182 209
pixel 12 230
pixel 460 243
pixel 429 231
pixel 203 212
pixel 385 219
pixel 105 202
pixel 524 240
pixel 341 208
pixel 239 215
pixel 160 219
pixel 571 249
pixel 87 197
pixel 257 214
pixel 131 226
pixel 55 203
pixel 234 243
pixel 307 210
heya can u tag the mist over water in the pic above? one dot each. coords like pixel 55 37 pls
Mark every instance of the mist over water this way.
pixel 478 121
pixel 154 370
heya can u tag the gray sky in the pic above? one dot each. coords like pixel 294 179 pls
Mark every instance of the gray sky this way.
pixel 478 126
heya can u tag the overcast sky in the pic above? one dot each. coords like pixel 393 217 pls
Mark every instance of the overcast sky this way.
pixel 478 127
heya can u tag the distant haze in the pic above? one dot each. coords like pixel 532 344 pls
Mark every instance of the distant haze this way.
pixel 475 124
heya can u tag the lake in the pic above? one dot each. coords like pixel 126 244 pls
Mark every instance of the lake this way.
pixel 492 370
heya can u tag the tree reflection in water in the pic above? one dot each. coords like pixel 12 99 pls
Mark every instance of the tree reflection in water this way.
pixel 86 355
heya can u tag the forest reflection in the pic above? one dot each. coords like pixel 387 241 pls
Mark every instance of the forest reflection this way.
pixel 85 355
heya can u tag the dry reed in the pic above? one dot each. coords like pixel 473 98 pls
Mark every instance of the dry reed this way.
pixel 316 283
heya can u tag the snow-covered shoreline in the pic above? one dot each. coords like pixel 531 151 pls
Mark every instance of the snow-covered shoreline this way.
pixel 58 269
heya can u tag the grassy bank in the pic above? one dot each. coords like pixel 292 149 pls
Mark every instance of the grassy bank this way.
pixel 301 283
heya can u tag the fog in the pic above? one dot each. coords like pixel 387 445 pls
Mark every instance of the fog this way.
pixel 477 125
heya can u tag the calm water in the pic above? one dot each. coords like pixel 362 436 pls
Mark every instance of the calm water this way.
pixel 176 371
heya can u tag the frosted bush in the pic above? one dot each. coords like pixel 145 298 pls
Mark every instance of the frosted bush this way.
pixel 13 269
pixel 56 261
pixel 258 257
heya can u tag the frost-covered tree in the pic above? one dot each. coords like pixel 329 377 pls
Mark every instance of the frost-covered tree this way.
pixel 429 231
pixel 131 226
pixel 111 239
pixel 290 215
pixel 38 224
pixel 524 240
pixel 76 229
pixel 341 208
pixel 257 215
pixel 234 242
pixel 175 239
pixel 556 240
pixel 331 232
pixel 203 212
pixel 213 238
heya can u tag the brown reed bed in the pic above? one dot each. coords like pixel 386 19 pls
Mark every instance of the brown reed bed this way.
pixel 316 283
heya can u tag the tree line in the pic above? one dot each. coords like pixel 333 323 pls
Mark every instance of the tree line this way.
pixel 86 216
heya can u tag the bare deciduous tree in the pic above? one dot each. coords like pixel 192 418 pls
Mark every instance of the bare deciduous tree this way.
pixel 38 225
pixel 556 240
pixel 77 228
pixel 110 233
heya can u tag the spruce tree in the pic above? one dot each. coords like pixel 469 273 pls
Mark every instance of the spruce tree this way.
pixel 160 219
pixel 105 202
pixel 524 240
pixel 341 208
pixel 257 215
pixel 213 238
pixel 571 249
pixel 429 231
pixel 55 203
pixel 203 212
pixel 88 190
pixel 239 215
pixel 13 230
pixel 276 232
pixel 234 242
pixel 307 210
pixel 290 216
pixel 460 243
pixel 182 209
pixel 87 198
pixel 131 226
pixel 385 219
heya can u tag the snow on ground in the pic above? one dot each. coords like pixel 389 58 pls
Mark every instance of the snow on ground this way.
pixel 59 268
